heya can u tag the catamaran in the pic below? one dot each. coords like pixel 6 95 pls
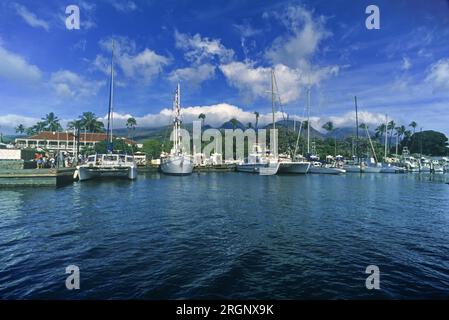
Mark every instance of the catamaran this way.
pixel 178 161
pixel 110 165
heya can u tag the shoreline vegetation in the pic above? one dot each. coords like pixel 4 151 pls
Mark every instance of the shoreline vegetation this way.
pixel 329 141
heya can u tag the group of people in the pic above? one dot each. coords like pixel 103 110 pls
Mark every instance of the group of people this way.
pixel 45 161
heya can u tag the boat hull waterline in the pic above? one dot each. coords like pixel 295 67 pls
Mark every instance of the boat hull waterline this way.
pixel 294 167
pixel 177 165
pixel 324 170
pixel 88 173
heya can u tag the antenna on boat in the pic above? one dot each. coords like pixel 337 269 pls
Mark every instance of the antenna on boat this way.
pixel 111 107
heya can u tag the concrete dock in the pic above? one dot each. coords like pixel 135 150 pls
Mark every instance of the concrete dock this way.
pixel 36 177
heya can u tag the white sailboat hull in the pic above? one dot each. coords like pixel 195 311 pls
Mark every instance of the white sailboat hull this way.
pixel 269 170
pixel 177 165
pixel 250 167
pixel 294 167
pixel 96 172
pixel 372 169
pixel 324 170
pixel 392 169
pixel 353 169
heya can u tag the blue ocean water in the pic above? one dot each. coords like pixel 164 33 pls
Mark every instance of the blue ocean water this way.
pixel 228 235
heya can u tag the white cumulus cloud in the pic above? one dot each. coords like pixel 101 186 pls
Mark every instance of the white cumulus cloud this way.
pixel 144 65
pixel 254 82
pixel 305 34
pixel 198 49
pixel 193 76
pixel 15 67
pixel 69 84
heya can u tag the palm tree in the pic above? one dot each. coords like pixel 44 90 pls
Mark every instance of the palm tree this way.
pixel 391 125
pixel 51 122
pixel 380 130
pixel 75 124
pixel 202 117
pixel 20 129
pixel 234 122
pixel 407 134
pixel 329 127
pixel 90 122
pixel 40 126
pixel 131 124
pixel 257 118
pixel 400 131
pixel 413 124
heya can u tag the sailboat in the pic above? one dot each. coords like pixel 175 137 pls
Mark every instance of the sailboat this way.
pixel 110 165
pixel 316 166
pixel 265 163
pixel 178 161
pixel 354 165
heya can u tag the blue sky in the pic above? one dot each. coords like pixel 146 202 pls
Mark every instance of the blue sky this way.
pixel 221 52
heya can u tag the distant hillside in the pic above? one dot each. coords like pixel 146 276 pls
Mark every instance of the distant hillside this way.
pixel 162 133
pixel 9 138
pixel 142 133
pixel 290 124
pixel 229 125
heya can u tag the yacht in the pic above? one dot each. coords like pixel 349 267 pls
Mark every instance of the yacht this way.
pixel 390 168
pixel 110 165
pixel 178 161
pixel 408 162
pixel 424 165
pixel 353 167
pixel 320 168
pixel 259 157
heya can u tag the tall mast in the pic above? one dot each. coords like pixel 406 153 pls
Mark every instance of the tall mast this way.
pixel 308 121
pixel 111 107
pixel 273 101
pixel 357 129
pixel 177 118
pixel 178 115
pixel 386 136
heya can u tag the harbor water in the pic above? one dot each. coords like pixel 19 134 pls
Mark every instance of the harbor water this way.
pixel 228 235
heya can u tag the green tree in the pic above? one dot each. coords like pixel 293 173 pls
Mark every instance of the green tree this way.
pixel 390 127
pixel 131 124
pixel 380 131
pixel 400 131
pixel 202 117
pixel 329 127
pixel 20 129
pixel 430 142
pixel 257 118
pixel 75 124
pixel 90 122
pixel 119 146
pixel 413 124
pixel 153 148
pixel 51 122
pixel 234 123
